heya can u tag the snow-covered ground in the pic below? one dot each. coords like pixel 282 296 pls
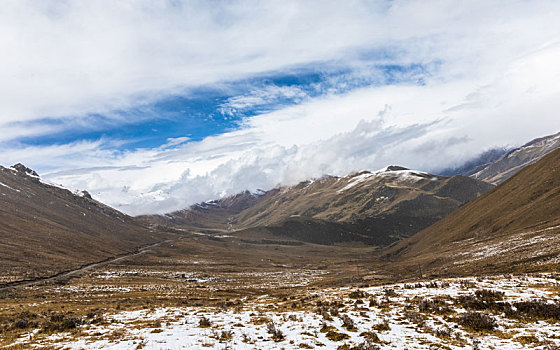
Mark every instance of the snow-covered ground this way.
pixel 383 317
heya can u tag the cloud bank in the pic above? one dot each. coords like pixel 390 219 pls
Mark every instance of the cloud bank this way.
pixel 424 84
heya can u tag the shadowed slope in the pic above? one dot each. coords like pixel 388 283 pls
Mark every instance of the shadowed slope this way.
pixel 46 229
pixel 373 207
pixel 502 169
pixel 516 226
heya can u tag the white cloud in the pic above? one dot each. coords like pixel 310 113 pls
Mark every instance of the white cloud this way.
pixel 492 80
pixel 174 141
pixel 70 58
pixel 74 57
pixel 424 127
pixel 268 95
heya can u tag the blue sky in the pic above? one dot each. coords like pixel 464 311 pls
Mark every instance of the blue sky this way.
pixel 153 106
pixel 197 113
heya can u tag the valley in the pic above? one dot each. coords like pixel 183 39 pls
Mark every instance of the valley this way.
pixel 375 260
pixel 285 174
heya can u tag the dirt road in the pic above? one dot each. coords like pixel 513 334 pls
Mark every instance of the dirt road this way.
pixel 69 273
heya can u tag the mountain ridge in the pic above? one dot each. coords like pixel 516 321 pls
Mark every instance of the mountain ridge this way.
pixel 514 226
pixel 47 229
pixel 499 164
pixel 376 207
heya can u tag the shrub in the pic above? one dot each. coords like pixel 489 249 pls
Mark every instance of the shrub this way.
pixel 390 292
pixel 380 327
pixel 65 325
pixel 357 294
pixel 371 336
pixel 335 336
pixel 415 317
pixel 366 345
pixel 538 309
pixel 22 323
pixel 477 321
pixel 348 323
pixel 226 336
pixel 489 295
pixel 436 306
pixel 204 322
pixel 276 334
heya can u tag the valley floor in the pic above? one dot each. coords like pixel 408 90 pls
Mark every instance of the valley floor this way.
pixel 493 312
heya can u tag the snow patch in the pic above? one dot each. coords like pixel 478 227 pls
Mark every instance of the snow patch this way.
pixel 11 188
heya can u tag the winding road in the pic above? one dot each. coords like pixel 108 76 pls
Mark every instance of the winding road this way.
pixel 90 266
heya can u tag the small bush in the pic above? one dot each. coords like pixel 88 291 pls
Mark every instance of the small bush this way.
pixel 335 336
pixel 445 332
pixel 371 336
pixel 357 294
pixel 415 317
pixel 436 306
pixel 204 323
pixel 536 309
pixel 61 323
pixel 348 323
pixel 380 327
pixel 489 295
pixel 477 321
pixel 276 334
pixel 366 345
pixel 226 336
pixel 22 323
pixel 390 292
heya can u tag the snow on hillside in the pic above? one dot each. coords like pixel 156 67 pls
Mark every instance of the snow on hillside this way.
pixel 397 173
pixel 422 315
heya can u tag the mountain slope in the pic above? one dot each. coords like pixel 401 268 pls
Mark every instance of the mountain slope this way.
pixel 514 227
pixel 46 229
pixel 374 207
pixel 507 165
pixel 476 164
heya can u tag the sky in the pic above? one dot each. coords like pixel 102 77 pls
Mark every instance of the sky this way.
pixel 152 106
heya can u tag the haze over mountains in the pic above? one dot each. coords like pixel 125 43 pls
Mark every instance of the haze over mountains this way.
pixel 499 164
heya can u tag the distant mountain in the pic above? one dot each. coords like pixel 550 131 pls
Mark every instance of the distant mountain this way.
pixel 515 227
pixel 476 164
pixel 497 165
pixel 46 229
pixel 373 207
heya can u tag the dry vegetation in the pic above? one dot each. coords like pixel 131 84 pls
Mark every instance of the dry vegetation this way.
pixel 197 292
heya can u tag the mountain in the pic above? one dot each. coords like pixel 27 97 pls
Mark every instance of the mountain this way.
pixel 496 171
pixel 46 229
pixel 373 207
pixel 476 164
pixel 515 227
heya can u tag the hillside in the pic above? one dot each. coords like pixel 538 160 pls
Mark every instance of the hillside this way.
pixel 477 163
pixel 373 207
pixel 514 227
pixel 507 165
pixel 47 229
